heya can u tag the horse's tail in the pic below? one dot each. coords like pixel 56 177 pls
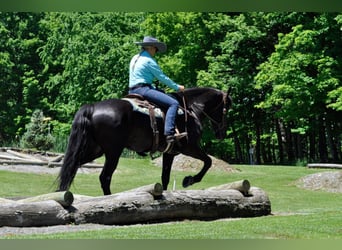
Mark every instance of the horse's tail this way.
pixel 77 145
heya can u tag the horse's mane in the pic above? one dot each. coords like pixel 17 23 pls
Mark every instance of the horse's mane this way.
pixel 198 91
pixel 191 94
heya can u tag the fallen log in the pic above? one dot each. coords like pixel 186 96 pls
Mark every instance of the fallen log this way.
pixel 141 207
pixel 43 213
pixel 324 165
pixel 57 158
pixel 155 190
pixel 23 156
pixel 3 200
pixel 50 164
pixel 10 157
pixel 243 186
pixel 65 198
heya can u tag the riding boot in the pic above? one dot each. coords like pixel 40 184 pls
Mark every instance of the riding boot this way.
pixel 176 136
pixel 171 139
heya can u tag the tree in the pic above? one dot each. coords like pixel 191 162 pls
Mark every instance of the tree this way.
pixel 86 56
pixel 188 37
pixel 296 80
pixel 37 133
pixel 284 69
pixel 20 38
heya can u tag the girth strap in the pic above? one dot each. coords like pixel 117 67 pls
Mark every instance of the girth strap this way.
pixel 154 126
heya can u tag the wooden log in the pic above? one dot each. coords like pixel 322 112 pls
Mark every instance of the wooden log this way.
pixel 154 189
pixel 137 206
pixel 23 156
pixel 88 165
pixel 242 185
pixel 80 198
pixel 22 162
pixel 10 157
pixel 324 165
pixel 57 158
pixel 141 207
pixel 65 198
pixel 3 200
pixel 41 163
pixel 44 213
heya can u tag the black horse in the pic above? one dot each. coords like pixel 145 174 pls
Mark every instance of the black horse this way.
pixel 107 127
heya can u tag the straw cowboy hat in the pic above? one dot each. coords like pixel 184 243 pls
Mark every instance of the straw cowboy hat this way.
pixel 151 41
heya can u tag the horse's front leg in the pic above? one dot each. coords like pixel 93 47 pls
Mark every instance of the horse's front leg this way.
pixel 167 163
pixel 200 155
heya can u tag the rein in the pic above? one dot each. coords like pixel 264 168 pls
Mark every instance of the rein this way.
pixel 219 124
pixel 185 113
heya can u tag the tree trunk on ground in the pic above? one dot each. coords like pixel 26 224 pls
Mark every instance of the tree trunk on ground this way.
pixel 243 186
pixel 65 198
pixel 140 206
pixel 325 165
pixel 43 213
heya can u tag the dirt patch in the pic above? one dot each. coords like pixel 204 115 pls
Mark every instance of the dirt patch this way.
pixel 327 181
pixel 186 163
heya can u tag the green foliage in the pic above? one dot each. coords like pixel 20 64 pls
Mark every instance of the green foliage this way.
pixel 37 133
pixel 284 69
pixel 188 37
pixel 19 40
pixel 335 99
pixel 86 55
pixel 298 74
pixel 60 132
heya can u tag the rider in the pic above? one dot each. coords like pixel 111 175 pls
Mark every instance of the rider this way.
pixel 143 70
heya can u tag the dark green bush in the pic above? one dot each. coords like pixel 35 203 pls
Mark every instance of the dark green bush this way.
pixel 37 133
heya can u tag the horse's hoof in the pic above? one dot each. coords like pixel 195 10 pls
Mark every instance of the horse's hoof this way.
pixel 188 181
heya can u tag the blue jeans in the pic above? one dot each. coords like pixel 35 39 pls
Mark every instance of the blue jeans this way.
pixel 164 101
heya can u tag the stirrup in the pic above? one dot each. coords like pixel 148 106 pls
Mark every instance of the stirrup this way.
pixel 178 136
pixel 171 139
pixel 169 147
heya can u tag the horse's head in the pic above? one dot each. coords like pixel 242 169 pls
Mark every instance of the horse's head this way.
pixel 217 114
pixel 213 104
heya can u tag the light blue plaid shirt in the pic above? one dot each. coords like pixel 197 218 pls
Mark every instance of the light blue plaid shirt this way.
pixel 144 69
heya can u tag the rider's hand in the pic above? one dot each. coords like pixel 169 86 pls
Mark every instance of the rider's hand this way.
pixel 181 88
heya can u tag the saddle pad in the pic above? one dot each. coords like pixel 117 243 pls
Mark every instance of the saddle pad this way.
pixel 144 110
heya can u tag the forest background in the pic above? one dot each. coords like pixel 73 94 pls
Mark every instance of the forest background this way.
pixel 284 68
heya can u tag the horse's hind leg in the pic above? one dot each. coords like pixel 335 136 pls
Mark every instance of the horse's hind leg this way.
pixel 109 167
pixel 167 163
pixel 198 154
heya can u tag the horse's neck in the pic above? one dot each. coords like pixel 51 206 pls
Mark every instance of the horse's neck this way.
pixel 198 103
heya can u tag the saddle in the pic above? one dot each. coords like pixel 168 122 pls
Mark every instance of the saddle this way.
pixel 141 105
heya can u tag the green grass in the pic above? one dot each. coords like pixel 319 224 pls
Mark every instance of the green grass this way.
pixel 297 213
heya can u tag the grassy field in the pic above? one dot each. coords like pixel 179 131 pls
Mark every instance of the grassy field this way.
pixel 296 213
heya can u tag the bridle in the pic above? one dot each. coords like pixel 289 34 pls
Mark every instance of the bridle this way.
pixel 220 125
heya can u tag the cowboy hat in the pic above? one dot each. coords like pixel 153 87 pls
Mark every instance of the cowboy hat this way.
pixel 151 41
